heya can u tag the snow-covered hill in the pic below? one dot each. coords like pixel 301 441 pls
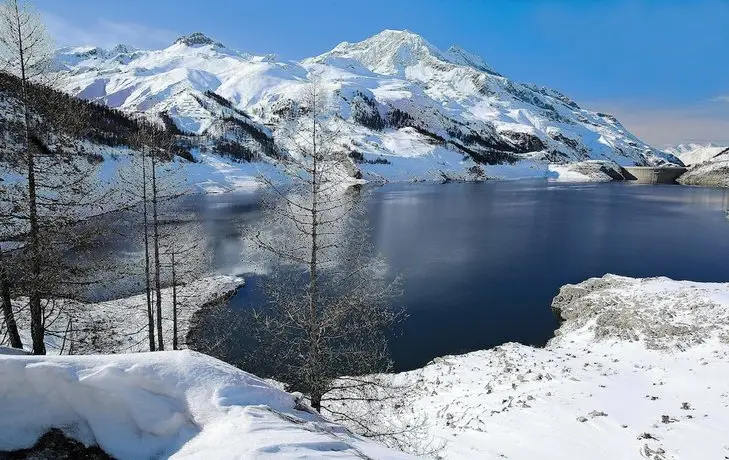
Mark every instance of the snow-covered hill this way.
pixel 411 110
pixel 711 173
pixel 164 405
pixel 708 164
pixel 693 154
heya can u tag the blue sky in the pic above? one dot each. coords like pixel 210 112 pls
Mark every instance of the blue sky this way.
pixel 662 66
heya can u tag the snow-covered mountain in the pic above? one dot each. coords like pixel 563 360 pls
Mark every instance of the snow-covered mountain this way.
pixel 692 154
pixel 402 99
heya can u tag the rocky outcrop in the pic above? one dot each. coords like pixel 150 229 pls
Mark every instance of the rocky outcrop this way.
pixel 711 173
pixel 617 308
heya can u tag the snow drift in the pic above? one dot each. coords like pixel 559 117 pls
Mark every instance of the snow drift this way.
pixel 639 368
pixel 168 404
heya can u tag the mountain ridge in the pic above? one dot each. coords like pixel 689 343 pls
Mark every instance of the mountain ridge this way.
pixel 400 96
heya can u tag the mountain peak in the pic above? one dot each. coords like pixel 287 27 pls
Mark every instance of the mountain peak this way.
pixel 403 34
pixel 391 52
pixel 399 38
pixel 123 49
pixel 197 39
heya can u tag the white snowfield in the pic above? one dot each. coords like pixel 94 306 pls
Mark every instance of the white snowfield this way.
pixel 165 405
pixel 639 369
pixel 402 101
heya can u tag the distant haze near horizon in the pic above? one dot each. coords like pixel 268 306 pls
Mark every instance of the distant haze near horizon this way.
pixel 654 65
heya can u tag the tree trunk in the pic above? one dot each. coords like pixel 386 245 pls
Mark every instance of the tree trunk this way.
pixel 157 281
pixel 314 246
pixel 37 328
pixel 313 273
pixel 10 323
pixel 150 314
pixel 174 303
pixel 316 402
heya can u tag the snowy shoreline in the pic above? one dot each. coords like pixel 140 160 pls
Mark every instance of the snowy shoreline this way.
pixel 218 175
pixel 638 369
pixel 120 325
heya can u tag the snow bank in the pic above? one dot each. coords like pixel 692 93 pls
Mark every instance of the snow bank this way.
pixel 639 369
pixel 658 313
pixel 159 405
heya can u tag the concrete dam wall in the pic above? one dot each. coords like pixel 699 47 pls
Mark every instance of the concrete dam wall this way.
pixel 653 175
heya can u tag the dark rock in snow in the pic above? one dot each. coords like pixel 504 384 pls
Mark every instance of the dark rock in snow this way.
pixel 54 445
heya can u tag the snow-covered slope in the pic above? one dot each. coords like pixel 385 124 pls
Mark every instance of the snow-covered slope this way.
pixel 167 404
pixel 106 137
pixel 693 154
pixel 708 164
pixel 711 173
pixel 638 369
pixel 405 102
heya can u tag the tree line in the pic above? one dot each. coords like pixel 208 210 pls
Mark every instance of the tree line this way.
pixel 50 190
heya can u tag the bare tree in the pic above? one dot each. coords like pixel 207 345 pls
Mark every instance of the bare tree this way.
pixel 184 259
pixel 329 309
pixel 55 188
pixel 145 229
pixel 151 181
pixel 7 307
pixel 136 189
pixel 6 232
pixel 25 50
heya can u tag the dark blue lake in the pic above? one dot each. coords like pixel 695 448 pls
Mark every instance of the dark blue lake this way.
pixel 481 262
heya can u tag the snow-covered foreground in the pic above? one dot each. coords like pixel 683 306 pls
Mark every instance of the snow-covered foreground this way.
pixel 167 404
pixel 639 369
